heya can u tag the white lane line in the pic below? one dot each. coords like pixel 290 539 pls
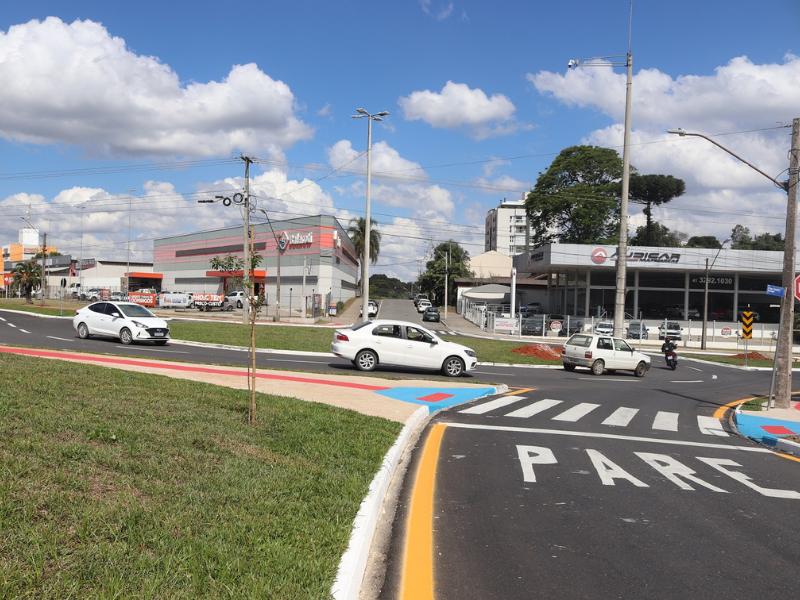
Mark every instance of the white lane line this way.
pixel 152 349
pixel 576 412
pixel 601 379
pixel 11 325
pixel 694 368
pixel 711 426
pixel 687 381
pixel 2 319
pixel 52 337
pixel 491 405
pixel 606 436
pixel 666 421
pixel 24 330
pixel 534 409
pixel 621 417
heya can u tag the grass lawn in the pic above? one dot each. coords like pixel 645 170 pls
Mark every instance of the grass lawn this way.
pixel 48 309
pixel 127 485
pixel 731 360
pixel 314 339
pixel 499 351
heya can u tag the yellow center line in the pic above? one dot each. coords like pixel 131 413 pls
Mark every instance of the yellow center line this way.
pixel 417 575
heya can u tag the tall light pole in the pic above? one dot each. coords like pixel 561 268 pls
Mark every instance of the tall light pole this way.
pixel 279 250
pixel 705 294
pixel 783 349
pixel 622 246
pixel 361 114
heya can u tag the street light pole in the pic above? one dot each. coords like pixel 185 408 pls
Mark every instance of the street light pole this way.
pixel 705 296
pixel 783 348
pixel 360 114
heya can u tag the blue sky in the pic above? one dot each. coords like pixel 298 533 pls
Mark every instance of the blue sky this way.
pixel 157 84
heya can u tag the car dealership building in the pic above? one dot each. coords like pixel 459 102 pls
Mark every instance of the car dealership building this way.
pixel 661 282
pixel 318 260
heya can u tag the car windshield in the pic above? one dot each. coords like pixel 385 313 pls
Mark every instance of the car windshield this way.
pixel 580 340
pixel 605 325
pixel 134 310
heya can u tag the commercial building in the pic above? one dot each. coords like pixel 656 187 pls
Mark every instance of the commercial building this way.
pixel 505 228
pixel 317 261
pixel 661 282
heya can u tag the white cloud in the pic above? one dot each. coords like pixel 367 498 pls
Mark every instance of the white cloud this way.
pixel 76 84
pixel 386 161
pixel 505 184
pixel 440 13
pixel 738 96
pixel 458 105
pixel 325 111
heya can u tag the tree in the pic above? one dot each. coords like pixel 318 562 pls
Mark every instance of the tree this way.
pixel 27 275
pixel 383 286
pixel 659 235
pixel 742 240
pixel 653 190
pixel 231 263
pixel 577 199
pixel 357 232
pixel 432 279
pixel 703 241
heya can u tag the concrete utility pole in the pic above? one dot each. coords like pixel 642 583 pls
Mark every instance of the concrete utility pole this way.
pixel 305 300
pixel 783 350
pixel 622 248
pixel 705 296
pixel 247 261
pixel 44 266
pixel 446 277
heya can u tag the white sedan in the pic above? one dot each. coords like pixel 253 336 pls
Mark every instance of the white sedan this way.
pixel 401 344
pixel 124 320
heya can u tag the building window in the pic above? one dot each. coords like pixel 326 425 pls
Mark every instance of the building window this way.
pixel 661 279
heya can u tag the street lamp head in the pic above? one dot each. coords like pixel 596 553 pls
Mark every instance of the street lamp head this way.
pixel 678 131
pixel 383 113
pixel 362 111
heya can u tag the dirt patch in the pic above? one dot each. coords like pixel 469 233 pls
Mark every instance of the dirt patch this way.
pixel 751 356
pixel 542 351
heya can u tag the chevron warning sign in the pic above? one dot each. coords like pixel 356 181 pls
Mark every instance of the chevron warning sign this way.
pixel 746 319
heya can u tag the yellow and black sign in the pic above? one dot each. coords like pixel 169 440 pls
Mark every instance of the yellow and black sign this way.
pixel 746 319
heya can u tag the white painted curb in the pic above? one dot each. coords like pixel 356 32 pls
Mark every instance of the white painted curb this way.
pixel 353 564
pixel 35 314
pixel 788 446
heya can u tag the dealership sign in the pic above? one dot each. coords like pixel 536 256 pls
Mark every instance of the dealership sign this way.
pixel 287 240
pixel 600 256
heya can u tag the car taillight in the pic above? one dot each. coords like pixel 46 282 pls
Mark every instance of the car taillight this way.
pixel 587 354
pixel 563 350
pixel 340 337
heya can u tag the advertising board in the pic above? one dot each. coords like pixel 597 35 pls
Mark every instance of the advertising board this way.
pixel 148 300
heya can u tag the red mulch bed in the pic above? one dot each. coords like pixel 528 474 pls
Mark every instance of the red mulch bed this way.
pixel 542 351
pixel 752 356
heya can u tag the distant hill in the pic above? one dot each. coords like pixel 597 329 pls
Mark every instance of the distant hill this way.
pixel 381 286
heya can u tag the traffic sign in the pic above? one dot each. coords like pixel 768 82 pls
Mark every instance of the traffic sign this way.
pixel 746 319
pixel 726 331
pixel 555 326
pixel 776 290
pixel 797 287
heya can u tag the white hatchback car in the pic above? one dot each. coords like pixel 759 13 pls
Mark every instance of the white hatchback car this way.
pixel 604 328
pixel 401 344
pixel 124 320
pixel 422 305
pixel 603 353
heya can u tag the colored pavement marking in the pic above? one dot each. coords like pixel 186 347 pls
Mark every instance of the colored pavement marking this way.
pixel 416 581
pixel 765 429
pixel 534 409
pixel 711 426
pixel 491 405
pixel 436 398
pixel 777 429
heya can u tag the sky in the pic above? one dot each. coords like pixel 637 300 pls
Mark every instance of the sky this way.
pixel 116 118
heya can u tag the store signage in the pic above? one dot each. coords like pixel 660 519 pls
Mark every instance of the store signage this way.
pixel 797 287
pixel 652 257
pixel 537 256
pixel 287 240
pixel 714 281
pixel 599 256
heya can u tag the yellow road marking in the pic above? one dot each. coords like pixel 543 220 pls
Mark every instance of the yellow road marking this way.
pixel 515 391
pixel 788 456
pixel 720 412
pixel 417 576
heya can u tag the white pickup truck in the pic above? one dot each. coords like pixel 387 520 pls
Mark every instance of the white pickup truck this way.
pixel 209 302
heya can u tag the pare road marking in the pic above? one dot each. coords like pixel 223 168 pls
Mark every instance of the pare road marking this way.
pixel 683 476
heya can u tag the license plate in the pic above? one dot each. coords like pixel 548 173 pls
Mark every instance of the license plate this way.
pixel 159 334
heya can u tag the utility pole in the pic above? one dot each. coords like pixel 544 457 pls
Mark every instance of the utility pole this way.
pixel 622 247
pixel 44 266
pixel 305 303
pixel 783 349
pixel 80 260
pixel 248 286
pixel 446 277
pixel 247 260
pixel 128 272
pixel 278 285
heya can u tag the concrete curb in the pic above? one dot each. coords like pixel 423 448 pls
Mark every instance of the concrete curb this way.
pixel 788 446
pixel 35 314
pixel 353 564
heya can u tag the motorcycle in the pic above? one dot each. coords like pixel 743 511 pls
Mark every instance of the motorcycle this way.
pixel 671 358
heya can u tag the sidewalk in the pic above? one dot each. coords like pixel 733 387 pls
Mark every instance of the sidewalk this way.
pixel 776 427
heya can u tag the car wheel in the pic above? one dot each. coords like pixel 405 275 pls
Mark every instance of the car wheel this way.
pixel 569 367
pixel 83 331
pixel 125 336
pixel 239 304
pixel 366 360
pixel 598 367
pixel 453 367
pixel 640 369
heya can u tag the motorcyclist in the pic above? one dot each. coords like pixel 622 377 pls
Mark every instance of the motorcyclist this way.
pixel 668 348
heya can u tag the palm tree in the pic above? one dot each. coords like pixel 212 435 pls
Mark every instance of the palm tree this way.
pixel 27 275
pixel 357 230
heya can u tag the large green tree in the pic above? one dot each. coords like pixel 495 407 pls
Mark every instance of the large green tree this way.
pixel 230 263
pixel 703 241
pixel 357 232
pixel 742 240
pixel 577 199
pixel 659 235
pixel 27 275
pixel 653 190
pixel 448 258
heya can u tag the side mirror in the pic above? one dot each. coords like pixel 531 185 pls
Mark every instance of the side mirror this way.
pixel 115 315
pixel 433 342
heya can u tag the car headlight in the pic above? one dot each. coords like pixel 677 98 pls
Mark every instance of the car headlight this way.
pixel 471 353
pixel 142 325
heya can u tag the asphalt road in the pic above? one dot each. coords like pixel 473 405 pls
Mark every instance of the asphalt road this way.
pixel 602 487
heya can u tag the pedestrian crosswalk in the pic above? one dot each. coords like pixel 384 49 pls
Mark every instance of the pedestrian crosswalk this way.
pixel 563 411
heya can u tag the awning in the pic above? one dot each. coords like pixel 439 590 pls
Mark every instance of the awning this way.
pixel 255 274
pixel 144 275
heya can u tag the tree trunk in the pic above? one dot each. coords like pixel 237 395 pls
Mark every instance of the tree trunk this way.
pixel 649 226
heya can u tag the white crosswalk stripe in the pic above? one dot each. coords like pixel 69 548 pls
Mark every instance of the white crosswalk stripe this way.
pixel 621 417
pixel 534 409
pixel 500 402
pixel 711 426
pixel 576 412
pixel 666 421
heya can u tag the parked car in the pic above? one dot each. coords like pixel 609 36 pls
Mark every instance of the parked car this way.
pixel 431 314
pixel 602 353
pixel 637 330
pixel 372 309
pixel 237 298
pixel 531 308
pixel 117 297
pixel 575 326
pixel 422 304
pixel 672 330
pixel 604 328
pixel 124 320
pixel 92 295
pixel 401 344
pixel 532 326
pixel 418 297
